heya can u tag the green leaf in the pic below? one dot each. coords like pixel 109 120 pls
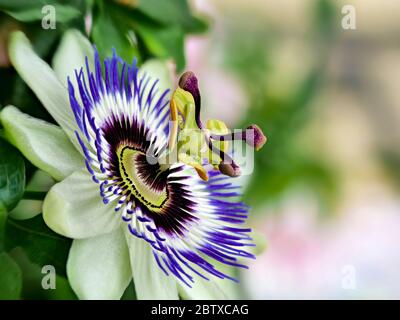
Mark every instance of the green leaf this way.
pixel 130 293
pixel 42 245
pixel 63 14
pixel 110 30
pixel 28 10
pixel 12 175
pixel 3 219
pixel 10 278
pixel 15 5
pixel 165 42
pixel 325 20
pixel 32 277
pixel 173 12
pixel 160 28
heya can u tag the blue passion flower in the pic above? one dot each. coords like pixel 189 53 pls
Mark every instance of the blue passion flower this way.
pixel 124 181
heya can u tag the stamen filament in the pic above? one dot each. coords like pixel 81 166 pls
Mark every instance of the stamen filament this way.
pixel 227 165
pixel 255 140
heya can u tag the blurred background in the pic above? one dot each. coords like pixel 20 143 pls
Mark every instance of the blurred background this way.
pixel 325 192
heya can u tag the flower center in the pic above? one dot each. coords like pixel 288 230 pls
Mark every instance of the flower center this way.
pixel 147 182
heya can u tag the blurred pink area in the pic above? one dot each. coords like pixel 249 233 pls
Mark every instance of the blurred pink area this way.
pixel 310 258
pixel 222 95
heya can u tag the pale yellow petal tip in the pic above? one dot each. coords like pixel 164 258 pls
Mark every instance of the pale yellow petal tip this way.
pixel 4 113
pixel 73 32
pixel 16 38
pixel 7 118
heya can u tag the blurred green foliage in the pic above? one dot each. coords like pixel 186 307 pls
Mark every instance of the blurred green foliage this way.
pixel 41 245
pixel 28 10
pixel 11 279
pixel 282 163
pixel 12 176
pixel 150 29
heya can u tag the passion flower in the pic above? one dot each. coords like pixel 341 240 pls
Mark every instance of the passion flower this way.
pixel 182 214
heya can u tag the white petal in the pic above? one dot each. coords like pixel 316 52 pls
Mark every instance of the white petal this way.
pixel 150 281
pixel 98 267
pixel 70 55
pixel 157 69
pixel 214 289
pixel 27 209
pixel 74 208
pixel 42 80
pixel 42 143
